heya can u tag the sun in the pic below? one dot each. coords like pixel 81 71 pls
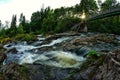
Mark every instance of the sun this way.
pixel 83 16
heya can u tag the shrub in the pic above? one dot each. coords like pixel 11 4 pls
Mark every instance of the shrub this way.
pixel 93 53
pixel 24 37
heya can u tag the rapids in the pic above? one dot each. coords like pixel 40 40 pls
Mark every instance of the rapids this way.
pixel 57 57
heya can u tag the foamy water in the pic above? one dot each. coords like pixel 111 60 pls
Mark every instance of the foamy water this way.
pixel 51 58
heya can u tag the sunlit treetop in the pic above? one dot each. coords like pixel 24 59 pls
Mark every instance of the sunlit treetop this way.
pixel 83 16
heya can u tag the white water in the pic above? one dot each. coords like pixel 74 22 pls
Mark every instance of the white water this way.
pixel 52 58
pixel 59 40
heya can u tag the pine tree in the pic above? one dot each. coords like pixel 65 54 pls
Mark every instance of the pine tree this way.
pixel 13 28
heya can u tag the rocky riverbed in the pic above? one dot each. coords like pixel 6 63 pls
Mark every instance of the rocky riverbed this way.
pixel 63 56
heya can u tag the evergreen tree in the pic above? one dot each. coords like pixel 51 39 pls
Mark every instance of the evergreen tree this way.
pixel 13 28
pixel 20 29
pixel 22 21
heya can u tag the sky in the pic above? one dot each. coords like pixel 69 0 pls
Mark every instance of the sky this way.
pixel 27 7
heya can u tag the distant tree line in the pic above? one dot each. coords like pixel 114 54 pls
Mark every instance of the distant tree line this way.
pixel 62 19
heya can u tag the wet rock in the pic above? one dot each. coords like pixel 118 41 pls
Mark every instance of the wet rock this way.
pixel 2 57
pixel 56 36
pixel 88 68
pixel 93 39
pixel 110 69
pixel 79 51
pixel 44 72
pixel 9 45
pixel 2 54
pixel 13 72
pixel 13 50
pixel 47 48
pixel 1 46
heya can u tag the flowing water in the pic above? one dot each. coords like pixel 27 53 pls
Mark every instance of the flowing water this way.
pixel 52 58
pixel 57 58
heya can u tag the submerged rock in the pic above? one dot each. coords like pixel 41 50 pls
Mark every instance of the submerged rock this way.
pixel 13 50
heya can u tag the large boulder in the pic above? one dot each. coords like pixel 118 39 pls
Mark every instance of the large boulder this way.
pixel 110 69
pixel 106 67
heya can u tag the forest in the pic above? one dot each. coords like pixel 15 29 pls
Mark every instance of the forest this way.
pixel 49 21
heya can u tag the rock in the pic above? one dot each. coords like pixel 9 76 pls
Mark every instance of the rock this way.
pixel 44 72
pixel 2 54
pixel 110 69
pixel 93 39
pixel 13 72
pixel 13 50
pixel 1 46
pixel 79 51
pixel 2 57
pixel 1 77
pixel 56 36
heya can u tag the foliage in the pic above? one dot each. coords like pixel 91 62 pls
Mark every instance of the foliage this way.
pixel 88 6
pixel 4 40
pixel 109 4
pixel 24 37
pixel 20 29
pixel 93 53
pixel 13 25
pixel 109 24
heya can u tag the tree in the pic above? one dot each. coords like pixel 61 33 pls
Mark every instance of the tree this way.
pixel 23 23
pixel 0 23
pixel 20 29
pixel 22 19
pixel 109 4
pixel 88 6
pixel 13 28
pixel 38 17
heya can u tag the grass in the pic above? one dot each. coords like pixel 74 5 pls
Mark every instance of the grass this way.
pixel 18 37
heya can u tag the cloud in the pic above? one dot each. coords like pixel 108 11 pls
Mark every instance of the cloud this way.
pixel 27 7
pixel 4 1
